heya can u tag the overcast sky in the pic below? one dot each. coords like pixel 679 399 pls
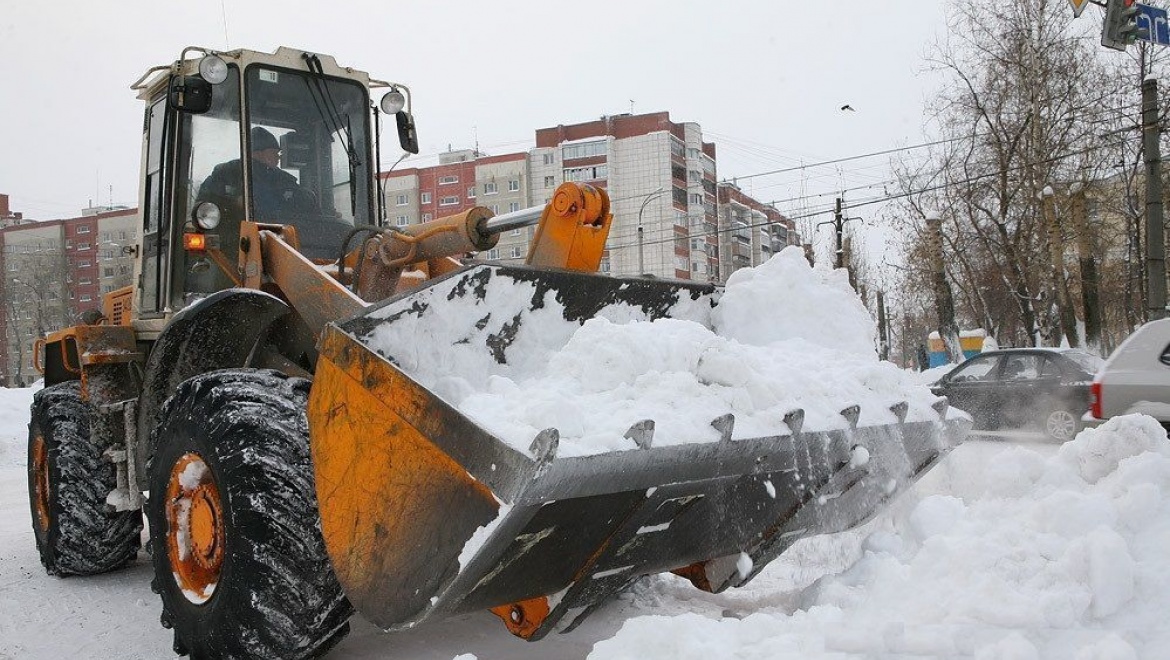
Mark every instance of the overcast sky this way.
pixel 765 78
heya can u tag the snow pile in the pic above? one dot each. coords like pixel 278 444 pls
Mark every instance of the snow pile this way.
pixel 1033 558
pixel 785 299
pixel 14 408
pixel 783 336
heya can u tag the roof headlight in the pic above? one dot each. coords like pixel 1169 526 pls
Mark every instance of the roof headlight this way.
pixel 393 102
pixel 207 216
pixel 213 69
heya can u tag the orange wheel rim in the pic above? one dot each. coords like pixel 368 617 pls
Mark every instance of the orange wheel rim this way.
pixel 40 457
pixel 195 533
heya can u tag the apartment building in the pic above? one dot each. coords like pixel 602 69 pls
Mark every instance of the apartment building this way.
pixel 661 177
pixel 53 271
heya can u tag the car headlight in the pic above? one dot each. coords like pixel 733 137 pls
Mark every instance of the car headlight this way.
pixel 213 69
pixel 207 215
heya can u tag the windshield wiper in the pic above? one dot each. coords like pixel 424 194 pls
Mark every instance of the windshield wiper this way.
pixel 339 124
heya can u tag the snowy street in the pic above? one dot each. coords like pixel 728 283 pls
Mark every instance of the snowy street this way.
pixel 1003 551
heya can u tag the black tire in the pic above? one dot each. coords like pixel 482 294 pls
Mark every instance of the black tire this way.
pixel 277 595
pixel 76 532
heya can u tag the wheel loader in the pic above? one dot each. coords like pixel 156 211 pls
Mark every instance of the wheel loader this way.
pixel 255 396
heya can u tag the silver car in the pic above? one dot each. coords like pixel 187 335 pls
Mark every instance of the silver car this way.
pixel 1136 378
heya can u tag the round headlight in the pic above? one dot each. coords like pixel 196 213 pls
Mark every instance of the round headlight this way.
pixel 393 101
pixel 207 215
pixel 213 69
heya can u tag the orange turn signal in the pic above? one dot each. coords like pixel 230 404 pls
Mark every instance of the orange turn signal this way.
pixel 195 242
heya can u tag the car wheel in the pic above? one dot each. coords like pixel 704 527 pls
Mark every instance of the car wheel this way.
pixel 1061 425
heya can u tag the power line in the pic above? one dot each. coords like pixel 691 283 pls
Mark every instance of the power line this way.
pixel 876 200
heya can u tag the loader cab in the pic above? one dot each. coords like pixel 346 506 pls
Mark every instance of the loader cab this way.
pixel 282 138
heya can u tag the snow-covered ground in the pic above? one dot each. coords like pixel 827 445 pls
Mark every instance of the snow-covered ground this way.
pixel 1004 551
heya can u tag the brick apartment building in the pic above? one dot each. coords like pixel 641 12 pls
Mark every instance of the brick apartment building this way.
pixel 54 270
pixel 661 179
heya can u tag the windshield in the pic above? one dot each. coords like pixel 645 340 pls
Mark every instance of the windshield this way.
pixel 309 167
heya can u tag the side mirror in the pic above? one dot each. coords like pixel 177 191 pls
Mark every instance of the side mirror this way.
pixel 407 137
pixel 190 94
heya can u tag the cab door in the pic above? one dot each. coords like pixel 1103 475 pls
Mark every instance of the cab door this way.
pixel 156 210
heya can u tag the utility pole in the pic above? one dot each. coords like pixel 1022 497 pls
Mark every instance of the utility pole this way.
pixel 1155 240
pixel 883 332
pixel 839 228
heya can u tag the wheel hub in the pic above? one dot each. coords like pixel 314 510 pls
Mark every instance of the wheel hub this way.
pixel 195 531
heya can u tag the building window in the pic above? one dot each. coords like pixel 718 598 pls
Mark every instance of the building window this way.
pixel 401 221
pixel 401 200
pixel 591 173
pixel 692 152
pixel 517 252
pixel 490 188
pixel 494 253
pixel 471 193
pixel 549 159
pixel 123 236
pixel 82 229
pixel 583 150
pixel 513 185
pixel 83 246
pixel 696 198
pixel 68 244
pixel 108 272
pixel 85 280
pixel 426 217
pixel 516 231
pixel 445 180
pixel 450 200
pixel 604 265
pixel 495 209
pixel 426 198
pixel 513 207
pixel 550 181
pixel 86 298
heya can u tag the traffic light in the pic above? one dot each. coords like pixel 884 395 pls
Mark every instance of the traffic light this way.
pixel 1121 28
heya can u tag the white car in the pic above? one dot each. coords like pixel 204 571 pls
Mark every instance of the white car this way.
pixel 1136 378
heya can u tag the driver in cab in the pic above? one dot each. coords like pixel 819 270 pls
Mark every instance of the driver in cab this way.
pixel 276 195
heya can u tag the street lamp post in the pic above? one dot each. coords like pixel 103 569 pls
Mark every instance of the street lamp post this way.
pixel 641 251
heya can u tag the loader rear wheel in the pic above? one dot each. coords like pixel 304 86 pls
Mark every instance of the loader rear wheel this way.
pixel 68 481
pixel 238 555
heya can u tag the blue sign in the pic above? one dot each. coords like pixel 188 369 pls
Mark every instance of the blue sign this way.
pixel 1153 21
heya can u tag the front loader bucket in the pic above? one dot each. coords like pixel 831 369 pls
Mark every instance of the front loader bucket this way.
pixel 427 514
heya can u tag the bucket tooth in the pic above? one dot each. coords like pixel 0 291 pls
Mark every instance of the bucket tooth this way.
pixel 544 445
pixel 794 420
pixel 725 424
pixel 940 406
pixel 851 415
pixel 642 433
pixel 900 409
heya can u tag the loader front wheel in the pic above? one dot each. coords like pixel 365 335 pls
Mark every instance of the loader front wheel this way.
pixel 238 555
pixel 68 481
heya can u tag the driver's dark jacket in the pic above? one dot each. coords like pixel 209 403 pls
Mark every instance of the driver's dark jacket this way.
pixel 275 193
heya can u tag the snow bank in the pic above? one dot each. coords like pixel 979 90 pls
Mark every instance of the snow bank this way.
pixel 1063 557
pixel 782 336
pixel 14 408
